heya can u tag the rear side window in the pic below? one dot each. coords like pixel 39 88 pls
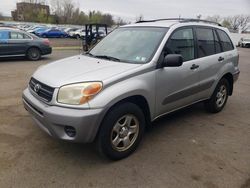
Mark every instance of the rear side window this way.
pixel 16 35
pixel 4 35
pixel 206 42
pixel 225 41
pixel 181 42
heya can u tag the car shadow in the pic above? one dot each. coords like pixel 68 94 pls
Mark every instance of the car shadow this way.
pixel 18 59
pixel 86 153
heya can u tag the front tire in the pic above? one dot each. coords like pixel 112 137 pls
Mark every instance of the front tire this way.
pixel 121 131
pixel 219 98
pixel 33 54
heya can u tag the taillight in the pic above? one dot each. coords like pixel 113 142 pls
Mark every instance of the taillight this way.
pixel 46 42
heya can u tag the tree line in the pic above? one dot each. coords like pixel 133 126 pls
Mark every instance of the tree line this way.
pixel 233 23
pixel 66 12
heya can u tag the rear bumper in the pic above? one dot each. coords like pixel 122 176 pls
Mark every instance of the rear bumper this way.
pixel 54 119
pixel 236 76
pixel 46 50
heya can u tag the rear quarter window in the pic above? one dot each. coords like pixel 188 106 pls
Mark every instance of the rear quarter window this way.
pixel 225 41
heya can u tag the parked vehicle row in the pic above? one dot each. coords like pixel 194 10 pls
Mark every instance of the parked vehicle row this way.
pixel 47 31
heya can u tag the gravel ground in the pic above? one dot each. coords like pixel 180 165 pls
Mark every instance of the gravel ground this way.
pixel 189 148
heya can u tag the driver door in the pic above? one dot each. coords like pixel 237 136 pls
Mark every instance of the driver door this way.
pixel 178 86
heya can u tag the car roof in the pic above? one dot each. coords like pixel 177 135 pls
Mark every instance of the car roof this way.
pixel 9 28
pixel 169 22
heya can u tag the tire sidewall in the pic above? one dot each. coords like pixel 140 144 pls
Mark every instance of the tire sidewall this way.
pixel 30 56
pixel 226 84
pixel 104 141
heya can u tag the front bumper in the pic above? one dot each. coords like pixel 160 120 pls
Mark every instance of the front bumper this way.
pixel 54 119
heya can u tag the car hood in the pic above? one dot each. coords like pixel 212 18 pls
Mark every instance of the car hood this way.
pixel 79 68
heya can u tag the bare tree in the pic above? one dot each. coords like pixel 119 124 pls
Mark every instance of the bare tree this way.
pixel 238 21
pixel 68 9
pixel 243 22
pixel 215 18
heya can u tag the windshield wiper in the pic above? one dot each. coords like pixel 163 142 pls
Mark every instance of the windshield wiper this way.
pixel 104 57
pixel 90 54
pixel 107 57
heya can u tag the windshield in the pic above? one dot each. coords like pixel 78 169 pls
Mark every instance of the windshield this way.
pixel 130 44
pixel 247 40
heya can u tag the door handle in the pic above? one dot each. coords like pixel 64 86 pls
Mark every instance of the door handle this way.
pixel 194 66
pixel 221 59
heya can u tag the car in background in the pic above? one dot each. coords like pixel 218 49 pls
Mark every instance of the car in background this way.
pixel 52 33
pixel 244 42
pixel 37 28
pixel 17 43
pixel 69 30
pixel 79 33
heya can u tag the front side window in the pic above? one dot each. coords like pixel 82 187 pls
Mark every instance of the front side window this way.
pixel 181 42
pixel 206 42
pixel 130 44
pixel 225 41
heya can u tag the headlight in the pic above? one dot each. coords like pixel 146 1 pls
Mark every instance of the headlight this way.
pixel 77 94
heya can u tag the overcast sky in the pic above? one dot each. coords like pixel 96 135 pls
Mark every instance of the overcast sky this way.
pixel 130 9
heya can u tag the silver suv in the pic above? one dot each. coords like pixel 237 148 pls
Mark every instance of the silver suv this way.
pixel 135 75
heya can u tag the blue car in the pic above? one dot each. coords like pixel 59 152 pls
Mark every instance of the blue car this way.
pixel 52 33
pixel 39 30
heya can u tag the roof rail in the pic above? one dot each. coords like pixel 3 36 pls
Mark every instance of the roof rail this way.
pixel 181 20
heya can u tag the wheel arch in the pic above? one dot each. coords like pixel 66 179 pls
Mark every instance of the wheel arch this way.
pixel 229 78
pixel 32 46
pixel 138 100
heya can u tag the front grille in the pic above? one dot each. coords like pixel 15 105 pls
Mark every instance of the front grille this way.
pixel 42 90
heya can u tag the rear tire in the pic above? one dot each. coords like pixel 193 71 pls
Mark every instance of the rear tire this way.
pixel 78 37
pixel 219 98
pixel 121 131
pixel 33 54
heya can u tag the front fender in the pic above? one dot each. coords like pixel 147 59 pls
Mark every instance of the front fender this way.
pixel 140 85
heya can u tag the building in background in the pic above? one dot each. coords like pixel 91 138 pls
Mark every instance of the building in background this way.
pixel 27 11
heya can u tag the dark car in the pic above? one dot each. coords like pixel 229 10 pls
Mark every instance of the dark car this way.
pixel 15 43
pixel 53 33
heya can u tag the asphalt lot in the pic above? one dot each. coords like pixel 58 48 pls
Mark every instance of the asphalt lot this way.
pixel 190 148
pixel 65 42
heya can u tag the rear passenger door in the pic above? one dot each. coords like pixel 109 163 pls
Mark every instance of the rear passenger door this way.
pixel 211 59
pixel 18 43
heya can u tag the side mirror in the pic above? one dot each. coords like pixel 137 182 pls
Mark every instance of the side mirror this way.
pixel 173 60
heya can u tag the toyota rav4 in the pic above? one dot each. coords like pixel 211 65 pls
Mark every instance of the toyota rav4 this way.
pixel 133 76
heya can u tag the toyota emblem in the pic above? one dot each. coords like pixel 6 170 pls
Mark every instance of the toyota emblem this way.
pixel 37 88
